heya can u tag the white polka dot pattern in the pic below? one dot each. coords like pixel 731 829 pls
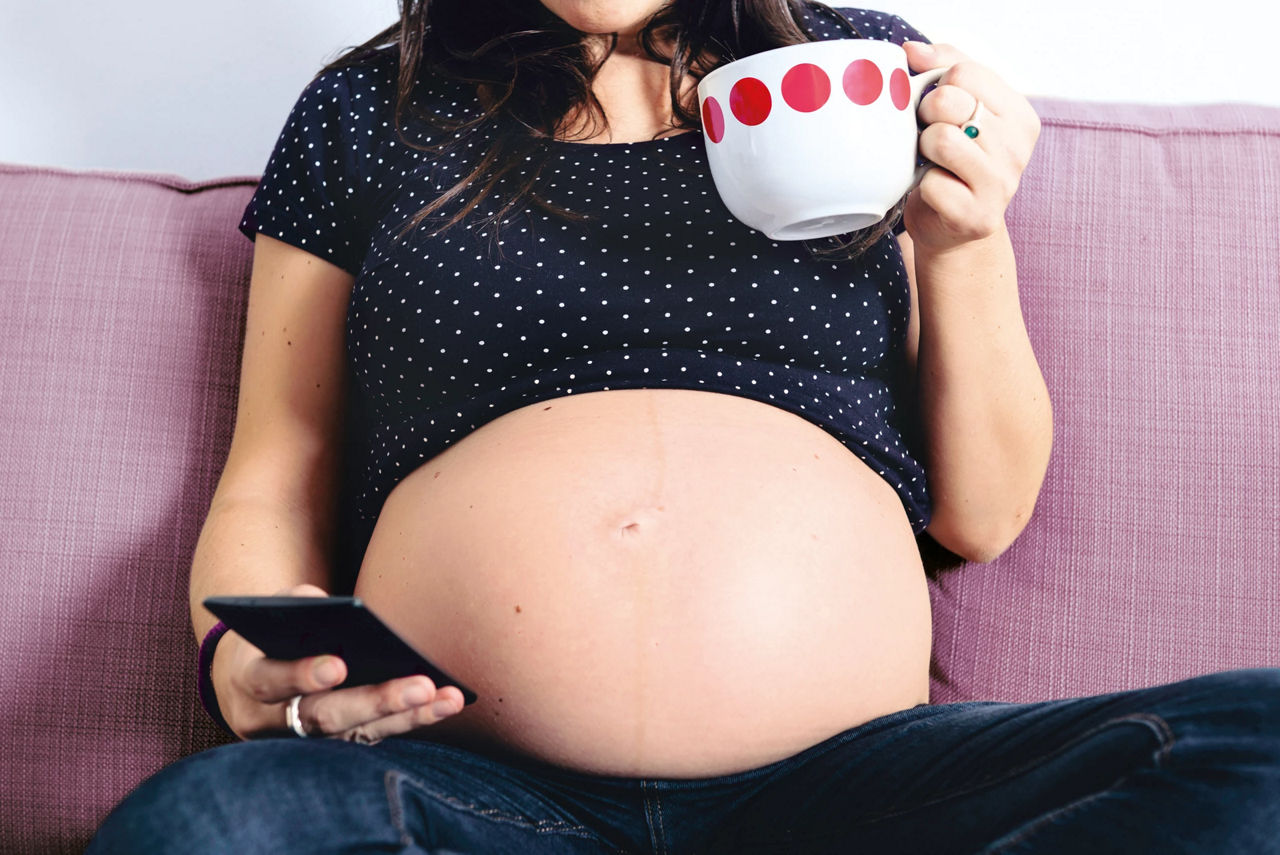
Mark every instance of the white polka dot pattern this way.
pixel 662 289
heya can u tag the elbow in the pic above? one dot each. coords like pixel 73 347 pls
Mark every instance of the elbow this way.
pixel 984 551
pixel 979 541
pixel 977 550
pixel 998 538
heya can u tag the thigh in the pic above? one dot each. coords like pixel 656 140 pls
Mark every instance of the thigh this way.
pixel 1195 758
pixel 325 795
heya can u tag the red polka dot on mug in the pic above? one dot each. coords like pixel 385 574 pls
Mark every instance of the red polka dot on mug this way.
pixel 713 119
pixel 806 87
pixel 749 101
pixel 900 89
pixel 863 82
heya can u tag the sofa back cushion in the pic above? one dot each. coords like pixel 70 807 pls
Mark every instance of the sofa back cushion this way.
pixel 123 305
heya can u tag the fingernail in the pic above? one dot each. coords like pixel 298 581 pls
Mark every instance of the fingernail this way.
pixel 325 670
pixel 444 707
pixel 923 47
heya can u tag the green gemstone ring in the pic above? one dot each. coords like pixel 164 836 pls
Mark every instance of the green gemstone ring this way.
pixel 970 128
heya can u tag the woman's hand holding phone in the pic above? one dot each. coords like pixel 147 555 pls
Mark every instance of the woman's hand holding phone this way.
pixel 254 692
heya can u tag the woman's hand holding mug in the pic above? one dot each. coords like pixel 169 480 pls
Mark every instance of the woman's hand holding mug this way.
pixel 966 199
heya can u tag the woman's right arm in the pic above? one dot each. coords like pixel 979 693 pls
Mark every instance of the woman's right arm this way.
pixel 270 527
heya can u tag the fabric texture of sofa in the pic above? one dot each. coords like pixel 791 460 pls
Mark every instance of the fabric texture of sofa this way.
pixel 1148 242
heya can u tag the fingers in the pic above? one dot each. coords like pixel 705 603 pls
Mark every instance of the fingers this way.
pixel 967 83
pixel 373 711
pixel 993 162
pixel 378 711
pixel 949 104
pixel 269 681
pixel 968 76
pixel 959 89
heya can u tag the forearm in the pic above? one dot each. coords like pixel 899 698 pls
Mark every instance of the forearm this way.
pixel 983 401
pixel 254 546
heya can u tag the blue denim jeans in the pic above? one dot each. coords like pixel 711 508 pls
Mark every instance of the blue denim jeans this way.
pixel 1188 767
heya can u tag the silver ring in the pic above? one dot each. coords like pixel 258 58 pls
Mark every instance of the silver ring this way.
pixel 971 128
pixel 291 717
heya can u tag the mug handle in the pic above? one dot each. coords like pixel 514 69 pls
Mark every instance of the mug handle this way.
pixel 918 83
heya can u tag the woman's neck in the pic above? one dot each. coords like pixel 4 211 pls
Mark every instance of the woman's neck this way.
pixel 634 91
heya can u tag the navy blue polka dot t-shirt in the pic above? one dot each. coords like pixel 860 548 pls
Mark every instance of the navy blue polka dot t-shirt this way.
pixel 662 288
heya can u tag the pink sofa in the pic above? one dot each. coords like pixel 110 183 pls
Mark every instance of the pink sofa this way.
pixel 1149 248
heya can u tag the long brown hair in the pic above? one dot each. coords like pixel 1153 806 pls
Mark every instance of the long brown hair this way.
pixel 531 71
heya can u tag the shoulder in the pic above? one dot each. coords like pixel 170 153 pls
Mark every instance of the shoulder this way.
pixel 365 77
pixel 338 93
pixel 366 89
pixel 434 90
pixel 834 22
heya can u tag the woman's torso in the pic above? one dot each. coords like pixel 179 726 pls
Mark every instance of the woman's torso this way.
pixel 681 581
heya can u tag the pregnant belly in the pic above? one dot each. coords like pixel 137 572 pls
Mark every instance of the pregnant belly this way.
pixel 654 583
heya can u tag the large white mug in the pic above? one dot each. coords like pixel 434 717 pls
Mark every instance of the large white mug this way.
pixel 815 139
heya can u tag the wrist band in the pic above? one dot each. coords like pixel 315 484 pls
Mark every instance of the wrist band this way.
pixel 204 678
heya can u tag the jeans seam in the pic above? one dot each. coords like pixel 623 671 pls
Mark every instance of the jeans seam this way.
pixel 390 781
pixel 1163 732
pixel 395 781
pixel 657 836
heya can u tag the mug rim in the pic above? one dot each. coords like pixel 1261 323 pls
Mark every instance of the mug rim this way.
pixel 772 51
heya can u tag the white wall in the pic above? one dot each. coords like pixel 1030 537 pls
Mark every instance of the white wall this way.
pixel 196 89
pixel 1176 51
pixel 202 89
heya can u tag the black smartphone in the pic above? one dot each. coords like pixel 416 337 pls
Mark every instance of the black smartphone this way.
pixel 297 627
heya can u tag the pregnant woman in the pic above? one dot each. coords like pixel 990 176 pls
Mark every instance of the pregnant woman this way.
pixel 648 481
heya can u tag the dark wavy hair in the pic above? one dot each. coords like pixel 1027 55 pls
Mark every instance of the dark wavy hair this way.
pixel 532 72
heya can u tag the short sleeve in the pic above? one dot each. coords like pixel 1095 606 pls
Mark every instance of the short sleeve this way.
pixel 309 193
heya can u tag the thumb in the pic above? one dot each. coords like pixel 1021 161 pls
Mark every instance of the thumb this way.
pixel 922 56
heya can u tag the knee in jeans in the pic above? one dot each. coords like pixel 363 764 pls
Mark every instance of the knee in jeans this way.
pixel 1255 694
pixel 1264 685
pixel 158 815
pixel 197 795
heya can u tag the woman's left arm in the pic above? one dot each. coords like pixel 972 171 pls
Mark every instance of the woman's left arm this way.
pixel 987 418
